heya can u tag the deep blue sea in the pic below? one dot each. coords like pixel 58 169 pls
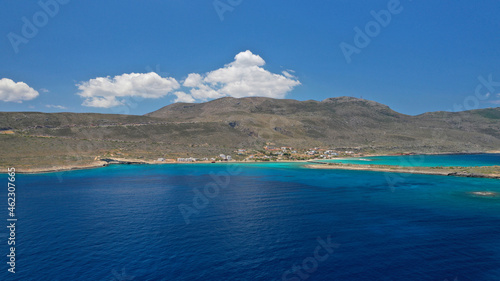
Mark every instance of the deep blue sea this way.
pixel 444 160
pixel 273 221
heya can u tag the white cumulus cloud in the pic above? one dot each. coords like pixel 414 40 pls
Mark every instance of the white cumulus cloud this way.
pixel 11 91
pixel 183 97
pixel 108 92
pixel 243 77
pixel 288 73
pixel 55 106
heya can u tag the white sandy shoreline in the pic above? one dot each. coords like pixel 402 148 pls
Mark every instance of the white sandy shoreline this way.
pixel 100 163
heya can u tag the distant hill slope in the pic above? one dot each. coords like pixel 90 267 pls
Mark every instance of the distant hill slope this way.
pixel 223 125
pixel 345 122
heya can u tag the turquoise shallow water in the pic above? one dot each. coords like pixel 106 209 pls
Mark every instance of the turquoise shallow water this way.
pixel 253 222
pixel 465 160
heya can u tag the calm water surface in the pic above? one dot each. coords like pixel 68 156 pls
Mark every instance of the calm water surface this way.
pixel 253 222
pixel 466 160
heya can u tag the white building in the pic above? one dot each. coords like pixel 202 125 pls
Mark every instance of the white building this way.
pixel 190 159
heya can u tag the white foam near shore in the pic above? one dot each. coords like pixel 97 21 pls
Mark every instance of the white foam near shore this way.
pixel 485 193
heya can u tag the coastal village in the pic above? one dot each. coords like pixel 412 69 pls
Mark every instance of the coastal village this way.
pixel 272 152
pixel 269 152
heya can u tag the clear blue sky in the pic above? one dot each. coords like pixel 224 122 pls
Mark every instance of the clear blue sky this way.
pixel 427 58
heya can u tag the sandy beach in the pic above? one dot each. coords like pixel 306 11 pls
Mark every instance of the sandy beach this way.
pixel 126 161
pixel 492 172
pixel 319 164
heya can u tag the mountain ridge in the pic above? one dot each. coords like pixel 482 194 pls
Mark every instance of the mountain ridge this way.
pixel 226 124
